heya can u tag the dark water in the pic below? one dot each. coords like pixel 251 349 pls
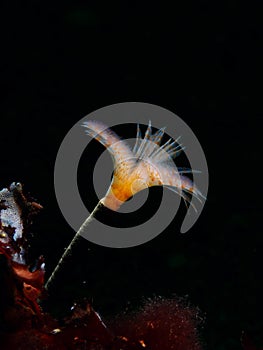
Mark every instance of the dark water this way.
pixel 201 60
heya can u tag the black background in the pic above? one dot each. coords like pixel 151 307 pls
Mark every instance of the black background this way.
pixel 199 59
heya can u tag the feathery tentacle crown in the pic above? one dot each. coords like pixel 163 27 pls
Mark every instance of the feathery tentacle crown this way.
pixel 148 164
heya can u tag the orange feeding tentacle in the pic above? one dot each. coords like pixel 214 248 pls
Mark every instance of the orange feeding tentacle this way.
pixel 148 164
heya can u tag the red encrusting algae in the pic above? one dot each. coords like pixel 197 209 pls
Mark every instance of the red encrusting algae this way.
pixel 163 324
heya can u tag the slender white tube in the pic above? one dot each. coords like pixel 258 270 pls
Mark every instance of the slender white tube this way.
pixel 82 229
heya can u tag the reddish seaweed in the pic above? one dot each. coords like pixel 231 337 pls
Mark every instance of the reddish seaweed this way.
pixel 161 324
